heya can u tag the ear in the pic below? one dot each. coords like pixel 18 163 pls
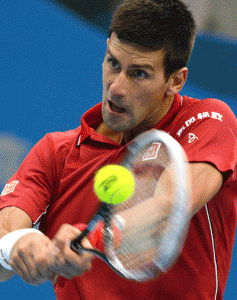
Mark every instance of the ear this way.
pixel 107 42
pixel 177 81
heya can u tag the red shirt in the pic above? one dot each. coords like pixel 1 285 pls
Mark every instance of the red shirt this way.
pixel 54 184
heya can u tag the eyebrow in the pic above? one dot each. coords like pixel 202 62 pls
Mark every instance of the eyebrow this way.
pixel 133 66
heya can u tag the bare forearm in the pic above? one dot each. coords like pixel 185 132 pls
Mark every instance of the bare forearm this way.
pixel 11 219
pixel 5 274
pixel 3 232
pixel 206 182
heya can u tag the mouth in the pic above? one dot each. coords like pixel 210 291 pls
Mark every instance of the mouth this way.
pixel 116 108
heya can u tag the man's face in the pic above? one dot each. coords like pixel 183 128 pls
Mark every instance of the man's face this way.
pixel 134 88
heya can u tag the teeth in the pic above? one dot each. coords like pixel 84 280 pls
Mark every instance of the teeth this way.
pixel 116 108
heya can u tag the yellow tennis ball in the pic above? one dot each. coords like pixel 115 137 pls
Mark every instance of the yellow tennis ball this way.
pixel 114 184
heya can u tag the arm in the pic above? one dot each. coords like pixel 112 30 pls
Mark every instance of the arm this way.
pixel 19 220
pixel 214 127
pixel 206 181
pixel 12 219
pixel 34 257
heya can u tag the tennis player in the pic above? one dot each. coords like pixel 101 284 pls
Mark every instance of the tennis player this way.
pixel 144 69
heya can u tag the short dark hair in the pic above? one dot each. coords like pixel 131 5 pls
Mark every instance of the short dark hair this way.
pixel 157 24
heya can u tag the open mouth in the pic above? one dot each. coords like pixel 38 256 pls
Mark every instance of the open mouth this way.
pixel 116 108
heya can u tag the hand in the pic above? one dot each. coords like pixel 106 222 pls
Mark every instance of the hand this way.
pixel 64 261
pixel 29 258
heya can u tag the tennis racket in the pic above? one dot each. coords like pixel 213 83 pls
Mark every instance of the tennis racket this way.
pixel 142 237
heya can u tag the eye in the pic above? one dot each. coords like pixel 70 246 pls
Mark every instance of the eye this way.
pixel 140 74
pixel 113 63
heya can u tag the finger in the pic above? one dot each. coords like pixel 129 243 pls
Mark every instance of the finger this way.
pixel 32 271
pixel 60 266
pixel 82 261
pixel 20 269
pixel 54 279
pixel 69 264
pixel 65 233
pixel 55 260
pixel 30 262
pixel 86 244
pixel 29 276
pixel 66 262
pixel 36 261
pixel 41 263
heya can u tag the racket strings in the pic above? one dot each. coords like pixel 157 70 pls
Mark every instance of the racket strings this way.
pixel 147 224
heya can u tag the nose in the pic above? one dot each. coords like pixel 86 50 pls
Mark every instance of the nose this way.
pixel 118 86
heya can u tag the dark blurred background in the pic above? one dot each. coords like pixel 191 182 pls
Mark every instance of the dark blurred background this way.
pixel 96 12
pixel 51 54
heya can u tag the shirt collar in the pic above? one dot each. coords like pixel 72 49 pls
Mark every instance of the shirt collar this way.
pixel 93 118
pixel 90 120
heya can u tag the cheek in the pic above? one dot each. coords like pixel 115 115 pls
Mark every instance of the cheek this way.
pixel 156 95
pixel 104 73
pixel 149 101
pixel 140 109
pixel 146 98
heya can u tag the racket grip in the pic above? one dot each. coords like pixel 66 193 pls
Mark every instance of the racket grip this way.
pixel 95 236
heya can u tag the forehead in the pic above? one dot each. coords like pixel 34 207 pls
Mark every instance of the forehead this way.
pixel 129 52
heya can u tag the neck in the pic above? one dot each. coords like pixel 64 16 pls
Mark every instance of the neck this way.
pixel 131 134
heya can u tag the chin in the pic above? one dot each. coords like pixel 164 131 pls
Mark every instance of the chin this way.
pixel 114 128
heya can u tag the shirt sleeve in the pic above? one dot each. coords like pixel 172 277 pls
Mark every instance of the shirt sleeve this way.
pixel 207 131
pixel 32 186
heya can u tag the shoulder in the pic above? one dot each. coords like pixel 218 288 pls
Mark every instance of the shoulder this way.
pixel 55 146
pixel 191 105
pixel 204 115
pixel 61 140
pixel 206 110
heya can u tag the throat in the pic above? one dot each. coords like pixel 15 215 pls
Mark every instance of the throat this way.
pixel 113 135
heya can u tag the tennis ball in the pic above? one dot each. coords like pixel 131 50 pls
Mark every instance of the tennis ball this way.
pixel 114 184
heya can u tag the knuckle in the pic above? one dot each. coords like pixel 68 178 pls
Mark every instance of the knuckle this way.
pixel 36 282
pixel 66 231
pixel 64 227
pixel 40 261
pixel 25 277
pixel 68 275
pixel 14 259
pixel 23 249
pixel 35 275
pixel 48 273
pixel 58 265
pixel 87 265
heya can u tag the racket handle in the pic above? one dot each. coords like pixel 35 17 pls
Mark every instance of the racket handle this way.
pixel 95 237
pixel 101 215
pixel 76 244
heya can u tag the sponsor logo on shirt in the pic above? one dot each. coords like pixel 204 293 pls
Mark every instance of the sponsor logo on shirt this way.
pixel 151 152
pixel 9 188
pixel 199 116
pixel 192 137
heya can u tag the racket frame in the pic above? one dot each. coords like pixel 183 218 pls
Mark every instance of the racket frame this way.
pixel 135 147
